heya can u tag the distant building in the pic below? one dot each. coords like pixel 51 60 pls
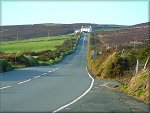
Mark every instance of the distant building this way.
pixel 83 29
pixel 77 31
pixel 86 29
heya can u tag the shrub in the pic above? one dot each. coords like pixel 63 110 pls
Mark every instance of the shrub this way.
pixel 143 54
pixel 27 61
pixel 21 59
pixel 118 67
pixel 33 61
pixel 114 66
pixel 5 66
pixel 61 51
pixel 46 56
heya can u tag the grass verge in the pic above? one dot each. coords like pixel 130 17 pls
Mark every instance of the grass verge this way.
pixel 45 57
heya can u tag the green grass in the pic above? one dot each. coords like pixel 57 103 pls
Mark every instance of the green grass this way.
pixel 35 44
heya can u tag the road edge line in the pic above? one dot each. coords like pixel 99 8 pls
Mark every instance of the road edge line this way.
pixel 72 102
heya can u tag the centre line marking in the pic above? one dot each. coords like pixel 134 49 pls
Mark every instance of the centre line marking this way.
pixel 44 73
pixel 24 81
pixel 37 76
pixel 52 70
pixel 29 79
pixel 5 87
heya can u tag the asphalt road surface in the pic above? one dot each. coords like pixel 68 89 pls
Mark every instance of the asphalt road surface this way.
pixel 103 98
pixel 65 87
pixel 46 88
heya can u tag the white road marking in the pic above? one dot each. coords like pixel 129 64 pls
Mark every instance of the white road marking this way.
pixel 29 79
pixel 37 76
pixel 5 87
pixel 24 81
pixel 44 73
pixel 54 69
pixel 72 102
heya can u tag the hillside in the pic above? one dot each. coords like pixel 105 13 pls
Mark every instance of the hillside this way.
pixel 36 30
pixel 112 55
pixel 18 32
pixel 141 24
pixel 127 36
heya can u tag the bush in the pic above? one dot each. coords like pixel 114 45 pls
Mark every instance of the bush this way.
pixel 143 54
pixel 27 61
pixel 33 61
pixel 132 58
pixel 5 66
pixel 41 58
pixel 21 59
pixel 46 56
pixel 118 67
pixel 61 51
pixel 113 66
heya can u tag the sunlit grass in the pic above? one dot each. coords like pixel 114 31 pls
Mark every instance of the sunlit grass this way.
pixel 35 44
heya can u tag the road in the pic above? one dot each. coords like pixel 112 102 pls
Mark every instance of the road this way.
pixel 104 99
pixel 46 88
pixel 65 87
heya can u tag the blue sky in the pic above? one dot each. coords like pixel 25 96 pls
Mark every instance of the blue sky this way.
pixel 15 12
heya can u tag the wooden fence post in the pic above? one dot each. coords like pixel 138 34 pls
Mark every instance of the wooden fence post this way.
pixel 137 66
pixel 146 63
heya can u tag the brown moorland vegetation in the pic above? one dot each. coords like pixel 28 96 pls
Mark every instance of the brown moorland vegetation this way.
pixel 116 57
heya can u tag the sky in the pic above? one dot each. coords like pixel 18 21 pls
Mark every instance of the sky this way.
pixel 121 12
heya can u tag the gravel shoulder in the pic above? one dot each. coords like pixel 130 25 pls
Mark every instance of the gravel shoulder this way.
pixel 104 98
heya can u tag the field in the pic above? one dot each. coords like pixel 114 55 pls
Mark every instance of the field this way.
pixel 35 44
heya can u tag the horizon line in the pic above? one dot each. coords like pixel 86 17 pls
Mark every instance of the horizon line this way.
pixel 73 23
